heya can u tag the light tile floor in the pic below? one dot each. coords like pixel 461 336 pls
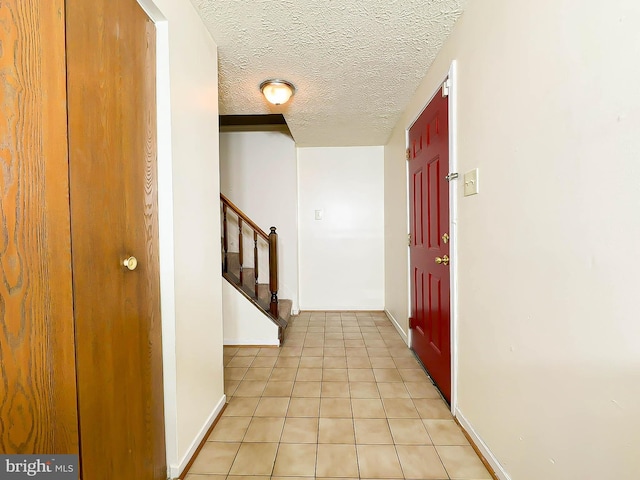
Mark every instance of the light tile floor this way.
pixel 343 398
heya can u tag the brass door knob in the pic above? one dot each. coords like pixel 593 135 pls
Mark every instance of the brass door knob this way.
pixel 131 263
pixel 444 260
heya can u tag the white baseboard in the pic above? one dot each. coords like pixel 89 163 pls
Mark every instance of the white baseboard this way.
pixel 176 470
pixel 484 449
pixel 247 342
pixel 330 308
pixel 397 325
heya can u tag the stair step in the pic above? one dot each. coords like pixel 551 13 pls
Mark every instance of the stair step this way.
pixel 248 289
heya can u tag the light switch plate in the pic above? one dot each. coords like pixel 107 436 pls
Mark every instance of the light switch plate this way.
pixel 318 214
pixel 471 182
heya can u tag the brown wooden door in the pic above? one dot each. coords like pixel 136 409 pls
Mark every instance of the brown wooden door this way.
pixel 429 214
pixel 37 358
pixel 112 158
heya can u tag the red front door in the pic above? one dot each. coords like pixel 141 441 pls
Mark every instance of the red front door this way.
pixel 429 246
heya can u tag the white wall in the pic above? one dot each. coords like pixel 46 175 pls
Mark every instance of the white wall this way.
pixel 549 110
pixel 258 174
pixel 243 323
pixel 342 255
pixel 188 185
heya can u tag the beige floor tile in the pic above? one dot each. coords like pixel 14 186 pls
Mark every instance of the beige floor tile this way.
pixel 393 390
pixel 240 361
pixel 258 373
pixel 353 340
pixel 247 352
pixel 215 458
pixel 371 342
pixel 250 388
pixel 399 408
pixel 311 362
pixel 236 373
pixel 409 431
pixel 462 463
pixel 335 389
pixel 264 429
pixel 334 362
pixel 269 352
pixel 337 461
pixel 309 375
pixel 422 390
pixel 283 374
pixel 306 389
pixel 230 429
pixel 264 362
pixel 382 362
pixel 334 343
pixel 368 408
pixel 312 352
pixel 287 362
pixel 335 407
pixel 387 375
pixel 205 477
pixel 336 430
pixel 372 431
pixel 445 432
pixel 356 352
pixel 254 459
pixel 430 408
pixel 314 342
pixel 230 387
pixel 304 407
pixel 363 390
pixel 358 362
pixel 413 375
pixel 296 459
pixel 408 363
pixel 378 461
pixel 401 352
pixel 378 352
pixel 241 407
pixel 420 462
pixel 272 407
pixel 278 389
pixel 229 350
pixel 290 352
pixel 360 375
pixel 334 375
pixel 300 430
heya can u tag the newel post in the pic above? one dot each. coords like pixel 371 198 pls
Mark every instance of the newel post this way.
pixel 273 272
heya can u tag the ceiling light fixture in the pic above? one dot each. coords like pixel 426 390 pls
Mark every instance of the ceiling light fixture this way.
pixel 277 91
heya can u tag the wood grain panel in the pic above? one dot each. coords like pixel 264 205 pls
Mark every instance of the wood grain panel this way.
pixel 112 129
pixel 37 361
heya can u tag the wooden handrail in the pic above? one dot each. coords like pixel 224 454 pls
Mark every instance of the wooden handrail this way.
pixel 272 243
pixel 241 214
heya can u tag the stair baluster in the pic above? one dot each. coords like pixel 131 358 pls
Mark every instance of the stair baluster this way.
pixel 240 250
pixel 255 261
pixel 225 240
pixel 273 271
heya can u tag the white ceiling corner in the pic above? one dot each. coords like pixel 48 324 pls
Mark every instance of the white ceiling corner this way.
pixel 355 63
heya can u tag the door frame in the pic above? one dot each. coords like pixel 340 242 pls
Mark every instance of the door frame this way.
pixel 453 222
pixel 165 232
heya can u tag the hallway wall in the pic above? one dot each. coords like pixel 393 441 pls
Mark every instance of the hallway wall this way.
pixel 549 111
pixel 341 255
pixel 188 184
pixel 258 174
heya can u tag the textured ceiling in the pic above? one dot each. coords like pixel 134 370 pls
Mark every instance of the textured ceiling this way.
pixel 355 63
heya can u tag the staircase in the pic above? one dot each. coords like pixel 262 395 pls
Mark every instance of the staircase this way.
pixel 243 272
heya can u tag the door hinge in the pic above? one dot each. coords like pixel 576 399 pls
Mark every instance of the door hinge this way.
pixel 446 86
pixel 451 176
pixel 408 154
pixel 409 239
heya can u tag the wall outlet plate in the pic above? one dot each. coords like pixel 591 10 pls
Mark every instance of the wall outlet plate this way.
pixel 471 182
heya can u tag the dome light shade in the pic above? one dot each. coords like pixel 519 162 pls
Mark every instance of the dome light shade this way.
pixel 276 91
